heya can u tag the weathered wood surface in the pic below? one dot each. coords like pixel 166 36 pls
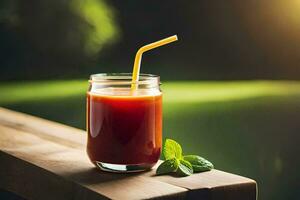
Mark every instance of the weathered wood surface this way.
pixel 40 159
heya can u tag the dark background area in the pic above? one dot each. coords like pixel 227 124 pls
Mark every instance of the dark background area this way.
pixel 218 40
pixel 48 49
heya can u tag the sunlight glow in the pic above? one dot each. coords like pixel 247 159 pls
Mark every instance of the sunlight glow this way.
pixel 174 92
pixel 100 17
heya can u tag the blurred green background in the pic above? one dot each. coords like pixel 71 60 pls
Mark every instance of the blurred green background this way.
pixel 231 83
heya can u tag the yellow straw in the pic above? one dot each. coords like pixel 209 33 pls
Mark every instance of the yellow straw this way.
pixel 138 58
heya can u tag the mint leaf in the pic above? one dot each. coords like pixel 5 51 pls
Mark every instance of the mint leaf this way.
pixel 182 165
pixel 185 168
pixel 172 149
pixel 168 166
pixel 198 163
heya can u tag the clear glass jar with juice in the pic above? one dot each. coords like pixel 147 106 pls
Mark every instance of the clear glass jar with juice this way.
pixel 124 126
pixel 124 118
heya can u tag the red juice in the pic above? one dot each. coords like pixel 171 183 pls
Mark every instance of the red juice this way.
pixel 124 129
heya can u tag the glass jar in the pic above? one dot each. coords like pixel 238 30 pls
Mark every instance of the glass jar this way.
pixel 124 126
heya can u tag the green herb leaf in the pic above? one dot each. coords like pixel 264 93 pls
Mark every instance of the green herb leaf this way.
pixel 172 149
pixel 199 164
pixel 168 166
pixel 182 165
pixel 185 168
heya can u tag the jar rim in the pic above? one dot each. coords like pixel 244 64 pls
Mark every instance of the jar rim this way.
pixel 124 79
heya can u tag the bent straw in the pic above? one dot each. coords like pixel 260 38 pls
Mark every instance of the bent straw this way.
pixel 138 58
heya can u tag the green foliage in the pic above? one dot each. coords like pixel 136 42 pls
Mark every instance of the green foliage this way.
pixel 168 166
pixel 176 162
pixel 172 150
pixel 199 164
pixel 100 17
pixel 53 38
pixel 185 168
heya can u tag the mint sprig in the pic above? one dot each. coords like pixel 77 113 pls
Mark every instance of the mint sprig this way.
pixel 182 165
pixel 199 164
pixel 168 166
pixel 172 149
pixel 185 168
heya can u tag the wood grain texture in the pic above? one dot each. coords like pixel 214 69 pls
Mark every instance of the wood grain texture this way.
pixel 41 159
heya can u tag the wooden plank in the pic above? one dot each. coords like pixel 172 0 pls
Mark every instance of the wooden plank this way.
pixel 51 159
pixel 59 168
pixel 46 129
pixel 215 184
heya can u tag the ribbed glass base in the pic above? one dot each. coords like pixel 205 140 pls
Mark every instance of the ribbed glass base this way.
pixel 122 168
